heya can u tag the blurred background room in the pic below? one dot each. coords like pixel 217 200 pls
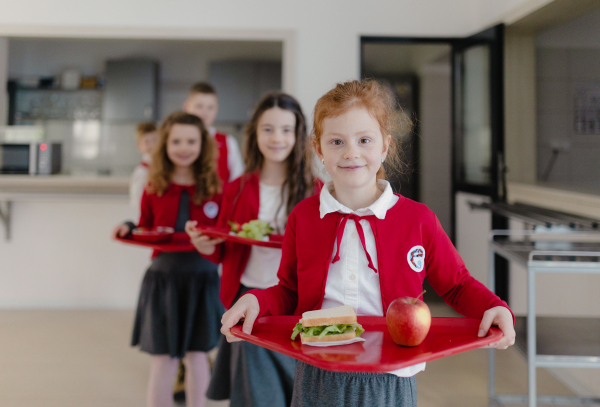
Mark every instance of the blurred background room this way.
pixel 504 97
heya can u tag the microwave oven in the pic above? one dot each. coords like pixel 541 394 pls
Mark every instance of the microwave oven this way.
pixel 30 158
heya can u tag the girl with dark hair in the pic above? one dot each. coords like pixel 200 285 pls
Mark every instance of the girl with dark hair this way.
pixel 277 177
pixel 178 310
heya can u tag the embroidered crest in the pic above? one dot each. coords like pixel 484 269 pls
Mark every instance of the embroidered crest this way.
pixel 416 258
pixel 211 210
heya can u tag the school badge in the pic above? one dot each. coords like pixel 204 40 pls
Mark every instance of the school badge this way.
pixel 416 258
pixel 211 210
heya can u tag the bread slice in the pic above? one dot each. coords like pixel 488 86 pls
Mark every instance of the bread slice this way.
pixel 330 316
pixel 327 338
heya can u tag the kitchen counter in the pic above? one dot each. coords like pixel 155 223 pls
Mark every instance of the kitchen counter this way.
pixel 62 187
pixel 579 201
pixel 56 246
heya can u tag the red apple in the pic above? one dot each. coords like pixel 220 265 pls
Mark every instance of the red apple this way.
pixel 408 320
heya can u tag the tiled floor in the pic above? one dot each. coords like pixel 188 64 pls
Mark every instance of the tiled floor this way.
pixel 82 358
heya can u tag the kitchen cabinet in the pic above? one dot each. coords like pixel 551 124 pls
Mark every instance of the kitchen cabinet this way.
pixel 130 91
pixel 241 84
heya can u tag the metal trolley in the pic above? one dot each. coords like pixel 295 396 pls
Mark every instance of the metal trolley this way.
pixel 575 252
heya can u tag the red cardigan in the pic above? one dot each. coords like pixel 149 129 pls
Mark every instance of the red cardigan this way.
pixel 241 203
pixel 162 210
pixel 222 160
pixel 307 253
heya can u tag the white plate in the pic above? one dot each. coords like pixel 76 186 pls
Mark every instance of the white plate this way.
pixel 335 343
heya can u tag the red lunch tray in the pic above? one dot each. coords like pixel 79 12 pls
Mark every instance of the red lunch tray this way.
pixel 180 242
pixel 275 241
pixel 379 353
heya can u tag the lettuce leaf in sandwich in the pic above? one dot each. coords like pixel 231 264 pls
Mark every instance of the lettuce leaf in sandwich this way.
pixel 323 330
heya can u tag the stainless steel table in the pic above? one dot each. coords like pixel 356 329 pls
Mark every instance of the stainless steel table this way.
pixel 571 255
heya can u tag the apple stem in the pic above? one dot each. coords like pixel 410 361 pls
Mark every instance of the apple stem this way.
pixel 420 295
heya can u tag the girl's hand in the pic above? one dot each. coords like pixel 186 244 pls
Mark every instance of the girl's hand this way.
pixel 245 308
pixel 501 317
pixel 204 244
pixel 121 230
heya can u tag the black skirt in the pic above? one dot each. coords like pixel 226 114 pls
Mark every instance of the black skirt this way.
pixel 318 387
pixel 251 376
pixel 179 309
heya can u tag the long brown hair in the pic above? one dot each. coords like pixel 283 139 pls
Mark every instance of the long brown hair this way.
pixel 380 104
pixel 299 180
pixel 161 168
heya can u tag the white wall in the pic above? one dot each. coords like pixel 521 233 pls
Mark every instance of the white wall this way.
pixel 435 148
pixel 520 112
pixel 507 11
pixel 567 58
pixel 473 228
pixel 582 32
pixel 60 255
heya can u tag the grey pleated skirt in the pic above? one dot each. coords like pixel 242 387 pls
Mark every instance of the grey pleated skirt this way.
pixel 251 376
pixel 318 387
pixel 179 309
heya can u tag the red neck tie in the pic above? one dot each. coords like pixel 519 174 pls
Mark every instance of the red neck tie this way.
pixel 361 234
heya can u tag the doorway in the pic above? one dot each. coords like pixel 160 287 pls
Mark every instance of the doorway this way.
pixel 419 75
pixel 455 150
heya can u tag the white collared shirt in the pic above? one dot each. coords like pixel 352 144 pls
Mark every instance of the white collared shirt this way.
pixel 137 183
pixel 263 263
pixel 235 162
pixel 350 281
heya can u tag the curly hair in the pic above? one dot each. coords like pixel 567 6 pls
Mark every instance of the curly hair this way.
pixel 380 104
pixel 299 180
pixel 208 182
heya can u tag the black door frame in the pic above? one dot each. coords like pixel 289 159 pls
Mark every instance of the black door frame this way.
pixel 498 189
pixel 497 170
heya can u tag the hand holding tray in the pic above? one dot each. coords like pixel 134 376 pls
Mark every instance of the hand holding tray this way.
pixel 275 241
pixel 379 353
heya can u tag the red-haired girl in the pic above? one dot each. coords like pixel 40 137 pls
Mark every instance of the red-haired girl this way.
pixel 179 308
pixel 351 246
pixel 277 177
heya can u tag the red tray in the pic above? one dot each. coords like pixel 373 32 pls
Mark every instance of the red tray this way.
pixel 275 241
pixel 180 242
pixel 379 353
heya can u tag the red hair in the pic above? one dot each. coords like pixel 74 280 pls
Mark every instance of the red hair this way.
pixel 380 104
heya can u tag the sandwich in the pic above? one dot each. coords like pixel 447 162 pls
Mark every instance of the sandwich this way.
pixel 326 325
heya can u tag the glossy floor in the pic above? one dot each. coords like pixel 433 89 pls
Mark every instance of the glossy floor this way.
pixel 56 358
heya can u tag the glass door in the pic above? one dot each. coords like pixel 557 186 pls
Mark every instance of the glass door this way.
pixel 478 143
pixel 478 114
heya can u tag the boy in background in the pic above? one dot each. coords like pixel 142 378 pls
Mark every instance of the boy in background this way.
pixel 146 136
pixel 202 101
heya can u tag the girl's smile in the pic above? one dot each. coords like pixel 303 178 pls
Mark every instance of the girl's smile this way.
pixel 276 134
pixel 352 149
pixel 183 145
pixel 352 167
